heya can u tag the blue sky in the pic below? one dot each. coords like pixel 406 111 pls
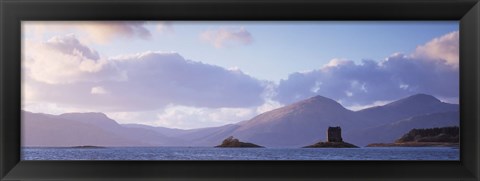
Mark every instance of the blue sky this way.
pixel 237 69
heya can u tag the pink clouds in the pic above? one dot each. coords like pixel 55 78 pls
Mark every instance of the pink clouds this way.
pixel 62 59
pixel 103 32
pixel 91 31
pixel 444 48
pixel 227 37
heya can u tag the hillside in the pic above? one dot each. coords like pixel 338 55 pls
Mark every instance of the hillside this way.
pixel 296 125
pixel 415 105
pixel 79 129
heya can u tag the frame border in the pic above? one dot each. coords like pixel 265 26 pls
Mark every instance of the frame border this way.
pixel 12 12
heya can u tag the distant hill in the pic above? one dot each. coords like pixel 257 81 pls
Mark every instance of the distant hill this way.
pixel 299 124
pixel 49 130
pixel 77 129
pixel 415 105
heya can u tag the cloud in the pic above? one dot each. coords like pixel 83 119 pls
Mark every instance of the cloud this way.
pixel 169 78
pixel 186 117
pixel 357 107
pixel 368 82
pixel 105 31
pixel 444 48
pixel 98 90
pixel 227 37
pixel 191 117
pixel 143 81
pixel 70 45
pixel 64 59
pixel 165 27
pixel 95 31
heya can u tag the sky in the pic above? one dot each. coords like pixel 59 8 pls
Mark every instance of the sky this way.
pixel 193 74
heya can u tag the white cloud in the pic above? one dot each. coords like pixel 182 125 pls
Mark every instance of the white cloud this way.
pixel 227 37
pixel 404 86
pixel 268 106
pixel 349 93
pixel 53 108
pixel 336 62
pixel 358 107
pixel 165 27
pixel 192 117
pixel 316 86
pixel 63 59
pixel 444 48
pixel 98 90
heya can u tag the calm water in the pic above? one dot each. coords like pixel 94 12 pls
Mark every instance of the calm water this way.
pixel 207 153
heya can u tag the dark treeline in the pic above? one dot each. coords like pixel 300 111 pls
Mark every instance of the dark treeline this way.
pixel 444 134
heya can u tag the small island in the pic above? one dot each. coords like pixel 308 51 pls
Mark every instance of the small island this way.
pixel 431 137
pixel 334 140
pixel 87 146
pixel 232 142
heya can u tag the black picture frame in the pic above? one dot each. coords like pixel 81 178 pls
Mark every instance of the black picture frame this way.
pixel 12 12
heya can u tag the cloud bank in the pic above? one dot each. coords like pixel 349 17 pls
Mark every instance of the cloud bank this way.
pixel 62 67
pixel 432 69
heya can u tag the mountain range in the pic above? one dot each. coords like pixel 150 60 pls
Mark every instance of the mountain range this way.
pixel 295 125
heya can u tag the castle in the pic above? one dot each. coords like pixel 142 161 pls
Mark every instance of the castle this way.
pixel 334 134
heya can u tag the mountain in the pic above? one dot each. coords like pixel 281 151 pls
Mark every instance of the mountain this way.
pixel 171 132
pixel 414 105
pixel 77 129
pixel 92 118
pixel 296 125
pixel 210 136
pixel 305 122
pixel 48 130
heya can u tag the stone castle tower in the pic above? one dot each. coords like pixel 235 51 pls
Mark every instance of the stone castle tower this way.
pixel 334 134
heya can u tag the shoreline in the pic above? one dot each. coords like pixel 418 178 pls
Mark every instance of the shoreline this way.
pixel 414 144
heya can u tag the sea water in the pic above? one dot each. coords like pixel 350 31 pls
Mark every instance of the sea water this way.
pixel 208 153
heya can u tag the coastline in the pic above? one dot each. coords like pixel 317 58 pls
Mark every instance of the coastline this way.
pixel 414 144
